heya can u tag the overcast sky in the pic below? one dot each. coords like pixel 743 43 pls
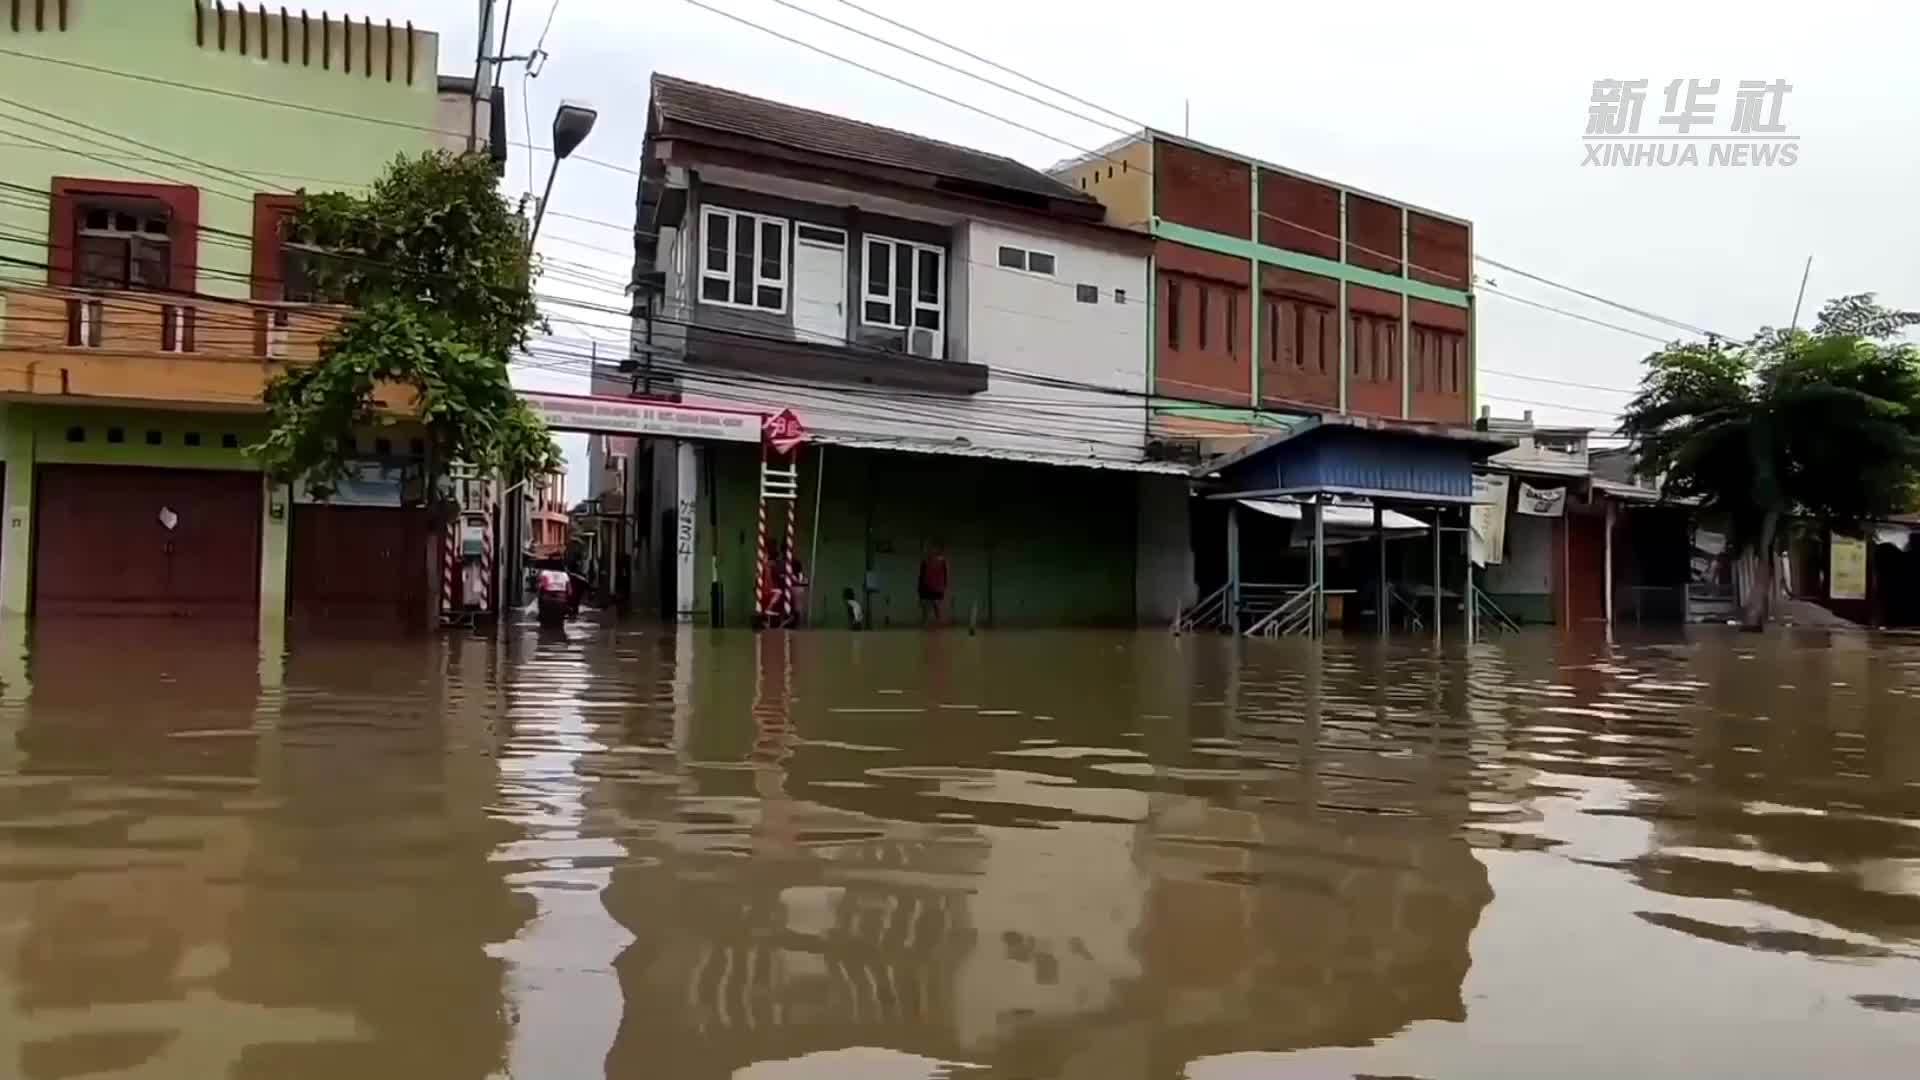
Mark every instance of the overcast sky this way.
pixel 1474 109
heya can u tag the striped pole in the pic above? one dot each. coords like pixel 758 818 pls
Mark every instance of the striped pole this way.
pixel 449 568
pixel 760 545
pixel 786 562
pixel 486 569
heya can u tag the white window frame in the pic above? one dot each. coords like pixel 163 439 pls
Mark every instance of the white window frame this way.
pixel 914 303
pixel 841 243
pixel 1026 261
pixel 735 219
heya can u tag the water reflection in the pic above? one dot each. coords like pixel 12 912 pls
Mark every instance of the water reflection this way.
pixel 640 852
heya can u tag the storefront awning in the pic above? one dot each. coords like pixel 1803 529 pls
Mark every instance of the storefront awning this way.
pixel 995 453
pixel 1394 460
pixel 1339 517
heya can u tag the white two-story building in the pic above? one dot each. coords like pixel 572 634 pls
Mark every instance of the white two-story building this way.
pixel 964 338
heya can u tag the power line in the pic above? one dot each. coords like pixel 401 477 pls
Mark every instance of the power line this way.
pixel 908 83
pixel 339 114
pixel 870 403
pixel 952 67
pixel 992 64
pixel 1641 312
pixel 1558 382
pixel 319 110
pixel 540 45
pixel 1596 298
pixel 242 241
pixel 250 177
pixel 1553 405
pixel 1574 315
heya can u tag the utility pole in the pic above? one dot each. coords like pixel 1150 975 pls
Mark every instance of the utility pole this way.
pixel 1801 297
pixel 482 49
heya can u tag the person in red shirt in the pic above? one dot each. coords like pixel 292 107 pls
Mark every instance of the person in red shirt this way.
pixel 933 586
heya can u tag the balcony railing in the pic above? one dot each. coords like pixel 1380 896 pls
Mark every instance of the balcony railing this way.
pixel 52 319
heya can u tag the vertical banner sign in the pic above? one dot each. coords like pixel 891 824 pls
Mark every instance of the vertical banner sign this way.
pixel 686 524
pixel 1846 567
pixel 1541 502
pixel 1488 539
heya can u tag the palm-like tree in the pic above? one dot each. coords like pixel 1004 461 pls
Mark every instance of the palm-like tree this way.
pixel 1824 425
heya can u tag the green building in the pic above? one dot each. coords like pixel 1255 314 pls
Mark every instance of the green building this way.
pixel 152 149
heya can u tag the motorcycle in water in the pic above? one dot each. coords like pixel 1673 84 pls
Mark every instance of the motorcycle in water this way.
pixel 555 597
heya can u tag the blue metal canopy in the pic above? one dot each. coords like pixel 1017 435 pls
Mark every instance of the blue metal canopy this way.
pixel 1351 455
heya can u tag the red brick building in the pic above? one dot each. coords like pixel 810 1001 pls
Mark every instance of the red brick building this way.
pixel 1279 295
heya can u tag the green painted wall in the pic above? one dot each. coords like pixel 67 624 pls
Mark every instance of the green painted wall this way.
pixel 50 424
pixel 16 550
pixel 41 435
pixel 282 149
pixel 118 128
pixel 1535 608
pixel 1312 264
pixel 1025 544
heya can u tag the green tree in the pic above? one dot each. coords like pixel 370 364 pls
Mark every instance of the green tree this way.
pixel 434 266
pixel 1821 424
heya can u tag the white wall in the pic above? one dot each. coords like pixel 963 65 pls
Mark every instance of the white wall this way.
pixel 1024 324
pixel 1011 321
pixel 1018 325
pixel 1030 322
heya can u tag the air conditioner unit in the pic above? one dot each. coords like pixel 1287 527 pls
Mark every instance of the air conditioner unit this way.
pixel 923 343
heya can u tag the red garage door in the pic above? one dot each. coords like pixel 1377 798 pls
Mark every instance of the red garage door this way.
pixel 363 566
pixel 109 540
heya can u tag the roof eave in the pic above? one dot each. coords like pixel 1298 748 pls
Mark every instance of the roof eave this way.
pixel 1066 206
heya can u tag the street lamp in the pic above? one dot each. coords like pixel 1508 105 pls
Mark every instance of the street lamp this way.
pixel 571 124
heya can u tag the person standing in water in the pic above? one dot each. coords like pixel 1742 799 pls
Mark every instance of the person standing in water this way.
pixel 933 585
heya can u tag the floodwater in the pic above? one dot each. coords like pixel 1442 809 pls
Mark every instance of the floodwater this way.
pixel 685 854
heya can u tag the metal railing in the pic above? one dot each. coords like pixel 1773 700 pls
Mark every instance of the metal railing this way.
pixel 1408 608
pixel 1295 615
pixel 1258 599
pixel 1210 612
pixel 1493 618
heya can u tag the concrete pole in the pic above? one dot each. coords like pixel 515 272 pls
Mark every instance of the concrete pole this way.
pixel 1466 589
pixel 1233 566
pixel 1380 543
pixel 1319 569
pixel 1437 602
pixel 1566 569
pixel 482 47
pixel 1607 572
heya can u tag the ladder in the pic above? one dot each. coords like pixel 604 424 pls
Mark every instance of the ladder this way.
pixel 773 577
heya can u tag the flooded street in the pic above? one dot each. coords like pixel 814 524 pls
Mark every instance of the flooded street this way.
pixel 693 854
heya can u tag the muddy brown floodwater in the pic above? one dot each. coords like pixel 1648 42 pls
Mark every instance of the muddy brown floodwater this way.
pixel 687 854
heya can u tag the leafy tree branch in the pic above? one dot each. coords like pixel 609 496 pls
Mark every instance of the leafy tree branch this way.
pixel 1822 425
pixel 434 267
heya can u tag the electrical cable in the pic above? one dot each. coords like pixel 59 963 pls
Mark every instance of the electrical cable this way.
pixel 1574 315
pixel 252 177
pixel 1136 124
pixel 1641 312
pixel 172 83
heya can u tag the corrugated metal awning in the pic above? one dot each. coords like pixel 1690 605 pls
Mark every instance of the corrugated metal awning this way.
pixel 1339 517
pixel 995 453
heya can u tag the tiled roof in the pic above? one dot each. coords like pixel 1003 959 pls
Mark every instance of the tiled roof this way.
pixel 823 133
